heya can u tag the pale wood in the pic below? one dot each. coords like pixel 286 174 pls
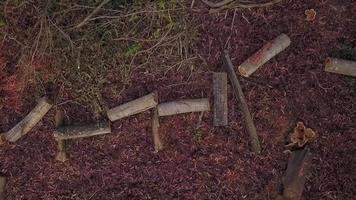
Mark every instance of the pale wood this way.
pixel 133 107
pixel 268 51
pixel 155 131
pixel 82 131
pixel 183 106
pixel 25 125
pixel 2 187
pixel 220 98
pixel 59 121
pixel 250 126
pixel 340 66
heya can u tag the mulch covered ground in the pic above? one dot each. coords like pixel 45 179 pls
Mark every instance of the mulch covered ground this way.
pixel 200 161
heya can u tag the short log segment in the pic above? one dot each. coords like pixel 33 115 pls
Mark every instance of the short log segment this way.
pixel 220 98
pixel 24 126
pixel 268 51
pixel 82 131
pixel 155 131
pixel 2 187
pixel 250 126
pixel 340 66
pixel 133 107
pixel 59 121
pixel 183 106
pixel 298 167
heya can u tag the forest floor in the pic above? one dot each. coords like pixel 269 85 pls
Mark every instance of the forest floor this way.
pixel 128 50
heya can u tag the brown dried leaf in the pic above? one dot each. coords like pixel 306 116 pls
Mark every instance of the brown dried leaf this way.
pixel 310 15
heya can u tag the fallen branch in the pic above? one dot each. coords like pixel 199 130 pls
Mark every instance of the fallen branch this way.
pixel 340 66
pixel 218 4
pixel 25 125
pixel 237 4
pixel 133 107
pixel 250 126
pixel 183 106
pixel 61 154
pixel 2 187
pixel 155 131
pixel 92 13
pixel 220 98
pixel 82 131
pixel 268 51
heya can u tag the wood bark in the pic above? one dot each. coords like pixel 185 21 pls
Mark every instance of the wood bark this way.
pixel 81 131
pixel 59 121
pixel 2 187
pixel 340 66
pixel 298 167
pixel 268 51
pixel 133 107
pixel 26 124
pixel 155 131
pixel 220 99
pixel 250 126
pixel 183 106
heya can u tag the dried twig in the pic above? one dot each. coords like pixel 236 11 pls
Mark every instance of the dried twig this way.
pixel 226 4
pixel 92 13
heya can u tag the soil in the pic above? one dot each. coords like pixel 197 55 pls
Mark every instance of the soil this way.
pixel 206 162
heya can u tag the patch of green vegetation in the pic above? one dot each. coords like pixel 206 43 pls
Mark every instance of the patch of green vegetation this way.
pixel 132 50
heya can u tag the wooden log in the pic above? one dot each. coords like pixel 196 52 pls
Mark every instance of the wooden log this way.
pixel 220 99
pixel 59 121
pixel 155 131
pixel 299 165
pixel 26 124
pixel 340 66
pixel 81 131
pixel 183 106
pixel 2 187
pixel 133 107
pixel 268 51
pixel 250 126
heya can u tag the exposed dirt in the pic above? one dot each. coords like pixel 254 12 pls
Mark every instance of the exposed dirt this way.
pixel 208 162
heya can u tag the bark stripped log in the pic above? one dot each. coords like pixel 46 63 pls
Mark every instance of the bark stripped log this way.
pixel 220 99
pixel 61 154
pixel 183 106
pixel 82 131
pixel 133 107
pixel 250 126
pixel 24 126
pixel 2 187
pixel 340 66
pixel 268 51
pixel 155 131
pixel 298 167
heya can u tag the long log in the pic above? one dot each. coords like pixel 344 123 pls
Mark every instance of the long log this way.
pixel 155 131
pixel 299 165
pixel 82 131
pixel 59 121
pixel 250 126
pixel 26 124
pixel 133 107
pixel 220 98
pixel 2 187
pixel 340 66
pixel 268 51
pixel 183 106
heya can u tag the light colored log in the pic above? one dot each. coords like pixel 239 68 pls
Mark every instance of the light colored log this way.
pixel 340 66
pixel 133 107
pixel 24 126
pixel 155 131
pixel 183 106
pixel 250 126
pixel 81 131
pixel 2 187
pixel 220 98
pixel 268 51
pixel 59 121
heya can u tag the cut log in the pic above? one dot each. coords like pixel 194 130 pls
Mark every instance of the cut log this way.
pixel 340 66
pixel 81 131
pixel 59 121
pixel 155 131
pixel 220 99
pixel 268 51
pixel 299 165
pixel 2 187
pixel 183 106
pixel 250 126
pixel 133 107
pixel 24 126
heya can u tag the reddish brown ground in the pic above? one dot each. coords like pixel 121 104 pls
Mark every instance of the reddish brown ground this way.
pixel 211 163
